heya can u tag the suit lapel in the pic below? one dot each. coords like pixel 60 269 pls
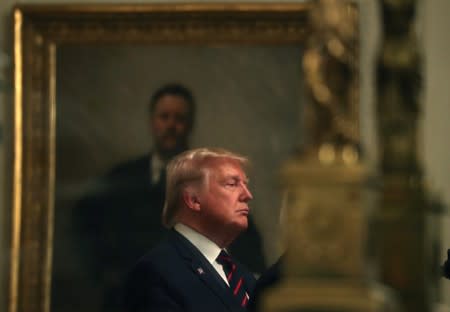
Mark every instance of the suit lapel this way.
pixel 204 270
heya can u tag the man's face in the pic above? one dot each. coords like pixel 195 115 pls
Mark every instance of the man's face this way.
pixel 169 124
pixel 224 199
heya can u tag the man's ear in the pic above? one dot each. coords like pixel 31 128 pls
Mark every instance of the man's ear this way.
pixel 190 199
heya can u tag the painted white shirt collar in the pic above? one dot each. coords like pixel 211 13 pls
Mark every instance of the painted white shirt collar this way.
pixel 156 165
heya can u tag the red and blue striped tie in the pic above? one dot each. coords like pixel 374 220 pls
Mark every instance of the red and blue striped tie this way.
pixel 235 280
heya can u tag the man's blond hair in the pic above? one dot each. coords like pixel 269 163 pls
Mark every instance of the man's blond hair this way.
pixel 188 168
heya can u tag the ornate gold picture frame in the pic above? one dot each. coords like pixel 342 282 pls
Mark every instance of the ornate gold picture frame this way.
pixel 39 31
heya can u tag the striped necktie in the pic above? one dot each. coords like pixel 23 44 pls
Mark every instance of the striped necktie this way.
pixel 235 279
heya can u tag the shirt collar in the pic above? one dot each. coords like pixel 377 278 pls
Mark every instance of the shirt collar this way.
pixel 207 247
pixel 156 165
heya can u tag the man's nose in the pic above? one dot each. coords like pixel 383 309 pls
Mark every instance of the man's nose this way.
pixel 171 122
pixel 246 194
pixel 171 125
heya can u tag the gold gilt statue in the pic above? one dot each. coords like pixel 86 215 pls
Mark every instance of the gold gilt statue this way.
pixel 330 66
pixel 325 192
pixel 399 86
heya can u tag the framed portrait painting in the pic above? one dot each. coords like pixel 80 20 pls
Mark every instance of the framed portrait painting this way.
pixel 84 75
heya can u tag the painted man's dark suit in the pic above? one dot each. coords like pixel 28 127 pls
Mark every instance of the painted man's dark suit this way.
pixel 118 222
pixel 175 276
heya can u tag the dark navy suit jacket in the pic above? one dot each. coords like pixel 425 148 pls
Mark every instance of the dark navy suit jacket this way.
pixel 175 276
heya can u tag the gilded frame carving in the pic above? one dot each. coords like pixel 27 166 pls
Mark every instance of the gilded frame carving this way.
pixel 38 30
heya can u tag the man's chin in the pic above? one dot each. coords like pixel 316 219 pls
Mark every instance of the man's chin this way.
pixel 242 225
pixel 170 150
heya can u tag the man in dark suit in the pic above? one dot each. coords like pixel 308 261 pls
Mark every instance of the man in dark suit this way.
pixel 121 219
pixel 206 208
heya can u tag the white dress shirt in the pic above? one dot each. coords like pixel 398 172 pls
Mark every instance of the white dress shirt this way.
pixel 207 247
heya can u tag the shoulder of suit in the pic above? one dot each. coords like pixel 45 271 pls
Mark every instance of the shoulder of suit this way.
pixel 130 166
pixel 161 261
pixel 162 252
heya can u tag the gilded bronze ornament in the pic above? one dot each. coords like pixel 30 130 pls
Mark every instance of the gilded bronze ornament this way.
pixel 406 263
pixel 325 187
